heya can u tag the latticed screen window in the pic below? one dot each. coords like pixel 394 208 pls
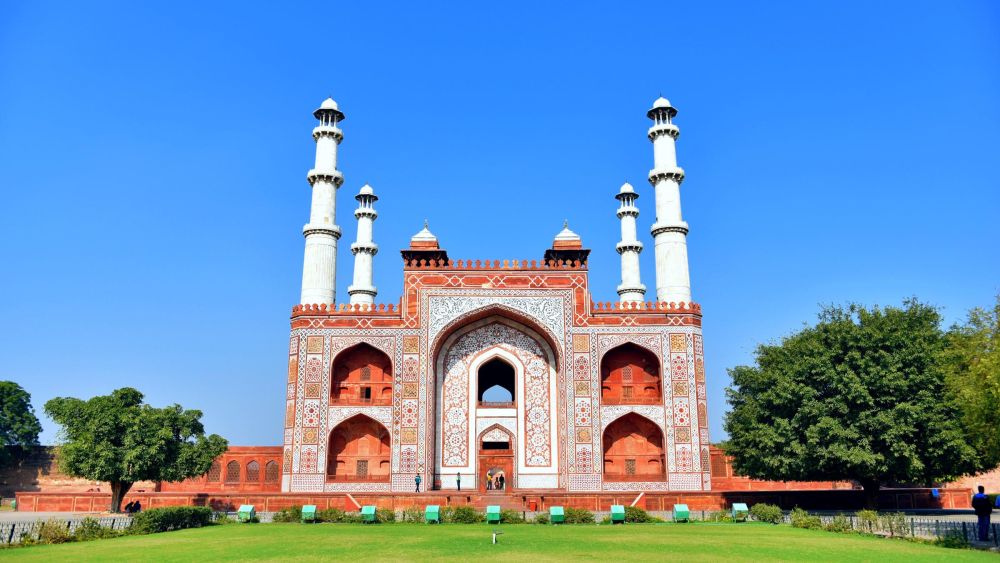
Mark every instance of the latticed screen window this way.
pixel 627 373
pixel 214 472
pixel 362 469
pixel 271 472
pixel 627 392
pixel 253 471
pixel 233 472
pixel 630 467
pixel 366 373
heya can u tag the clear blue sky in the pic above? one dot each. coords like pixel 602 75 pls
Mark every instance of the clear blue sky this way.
pixel 153 161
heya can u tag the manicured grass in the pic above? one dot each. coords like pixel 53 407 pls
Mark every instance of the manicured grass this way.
pixel 462 542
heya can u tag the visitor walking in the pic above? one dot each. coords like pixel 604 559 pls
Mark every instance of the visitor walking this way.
pixel 417 481
pixel 981 504
pixel 128 508
pixel 489 480
pixel 500 481
pixel 458 480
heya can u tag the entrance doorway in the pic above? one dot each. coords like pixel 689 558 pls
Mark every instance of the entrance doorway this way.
pixel 496 462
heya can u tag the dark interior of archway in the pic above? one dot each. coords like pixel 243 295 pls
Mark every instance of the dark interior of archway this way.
pixel 496 381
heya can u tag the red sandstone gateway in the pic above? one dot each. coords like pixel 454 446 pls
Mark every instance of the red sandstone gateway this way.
pixel 502 367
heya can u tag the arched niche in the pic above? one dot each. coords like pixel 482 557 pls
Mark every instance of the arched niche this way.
pixel 359 450
pixel 633 450
pixel 362 375
pixel 630 375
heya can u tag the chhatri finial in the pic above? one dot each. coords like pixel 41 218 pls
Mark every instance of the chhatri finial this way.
pixel 425 224
pixel 565 223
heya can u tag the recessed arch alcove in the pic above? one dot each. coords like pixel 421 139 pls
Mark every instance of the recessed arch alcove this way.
pixel 359 450
pixel 630 375
pixel 633 450
pixel 362 375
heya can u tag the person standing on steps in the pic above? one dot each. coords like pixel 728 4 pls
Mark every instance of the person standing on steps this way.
pixel 417 481
pixel 458 480
pixel 489 482
pixel 981 504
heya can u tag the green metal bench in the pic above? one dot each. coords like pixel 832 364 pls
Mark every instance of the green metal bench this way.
pixel 432 514
pixel 740 512
pixel 617 514
pixel 246 513
pixel 493 514
pixel 309 513
pixel 368 514
pixel 681 513
pixel 557 515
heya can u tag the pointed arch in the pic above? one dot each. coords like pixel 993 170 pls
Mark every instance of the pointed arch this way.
pixel 362 375
pixel 496 372
pixel 253 471
pixel 359 449
pixel 634 449
pixel 499 311
pixel 631 375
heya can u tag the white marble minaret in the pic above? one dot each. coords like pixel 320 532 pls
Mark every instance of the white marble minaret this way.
pixel 631 288
pixel 362 291
pixel 673 283
pixel 319 268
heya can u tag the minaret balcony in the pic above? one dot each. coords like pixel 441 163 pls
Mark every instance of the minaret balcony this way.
pixel 628 210
pixel 328 131
pixel 628 246
pixel 366 247
pixel 668 129
pixel 623 289
pixel 675 174
pixel 679 227
pixel 321 229
pixel 365 212
pixel 335 177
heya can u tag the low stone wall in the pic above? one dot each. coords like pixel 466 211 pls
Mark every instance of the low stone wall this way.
pixel 524 500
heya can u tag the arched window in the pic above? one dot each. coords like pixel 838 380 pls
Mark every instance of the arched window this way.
pixel 496 384
pixel 214 472
pixel 253 471
pixel 271 472
pixel 633 450
pixel 362 375
pixel 630 375
pixel 233 472
pixel 359 451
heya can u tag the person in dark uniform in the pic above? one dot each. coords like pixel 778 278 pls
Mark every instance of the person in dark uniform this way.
pixel 981 504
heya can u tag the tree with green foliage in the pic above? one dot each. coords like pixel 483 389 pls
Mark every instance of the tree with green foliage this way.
pixel 860 396
pixel 119 439
pixel 972 364
pixel 19 427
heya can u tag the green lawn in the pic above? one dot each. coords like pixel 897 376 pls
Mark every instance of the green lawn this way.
pixel 462 542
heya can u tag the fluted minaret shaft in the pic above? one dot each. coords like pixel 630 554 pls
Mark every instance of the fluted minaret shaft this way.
pixel 363 291
pixel 319 267
pixel 673 282
pixel 631 288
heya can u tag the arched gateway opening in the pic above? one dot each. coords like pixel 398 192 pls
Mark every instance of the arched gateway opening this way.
pixel 359 451
pixel 633 450
pixel 496 384
pixel 496 461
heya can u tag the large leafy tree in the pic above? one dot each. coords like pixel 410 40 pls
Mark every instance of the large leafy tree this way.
pixel 972 362
pixel 859 396
pixel 119 439
pixel 19 427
